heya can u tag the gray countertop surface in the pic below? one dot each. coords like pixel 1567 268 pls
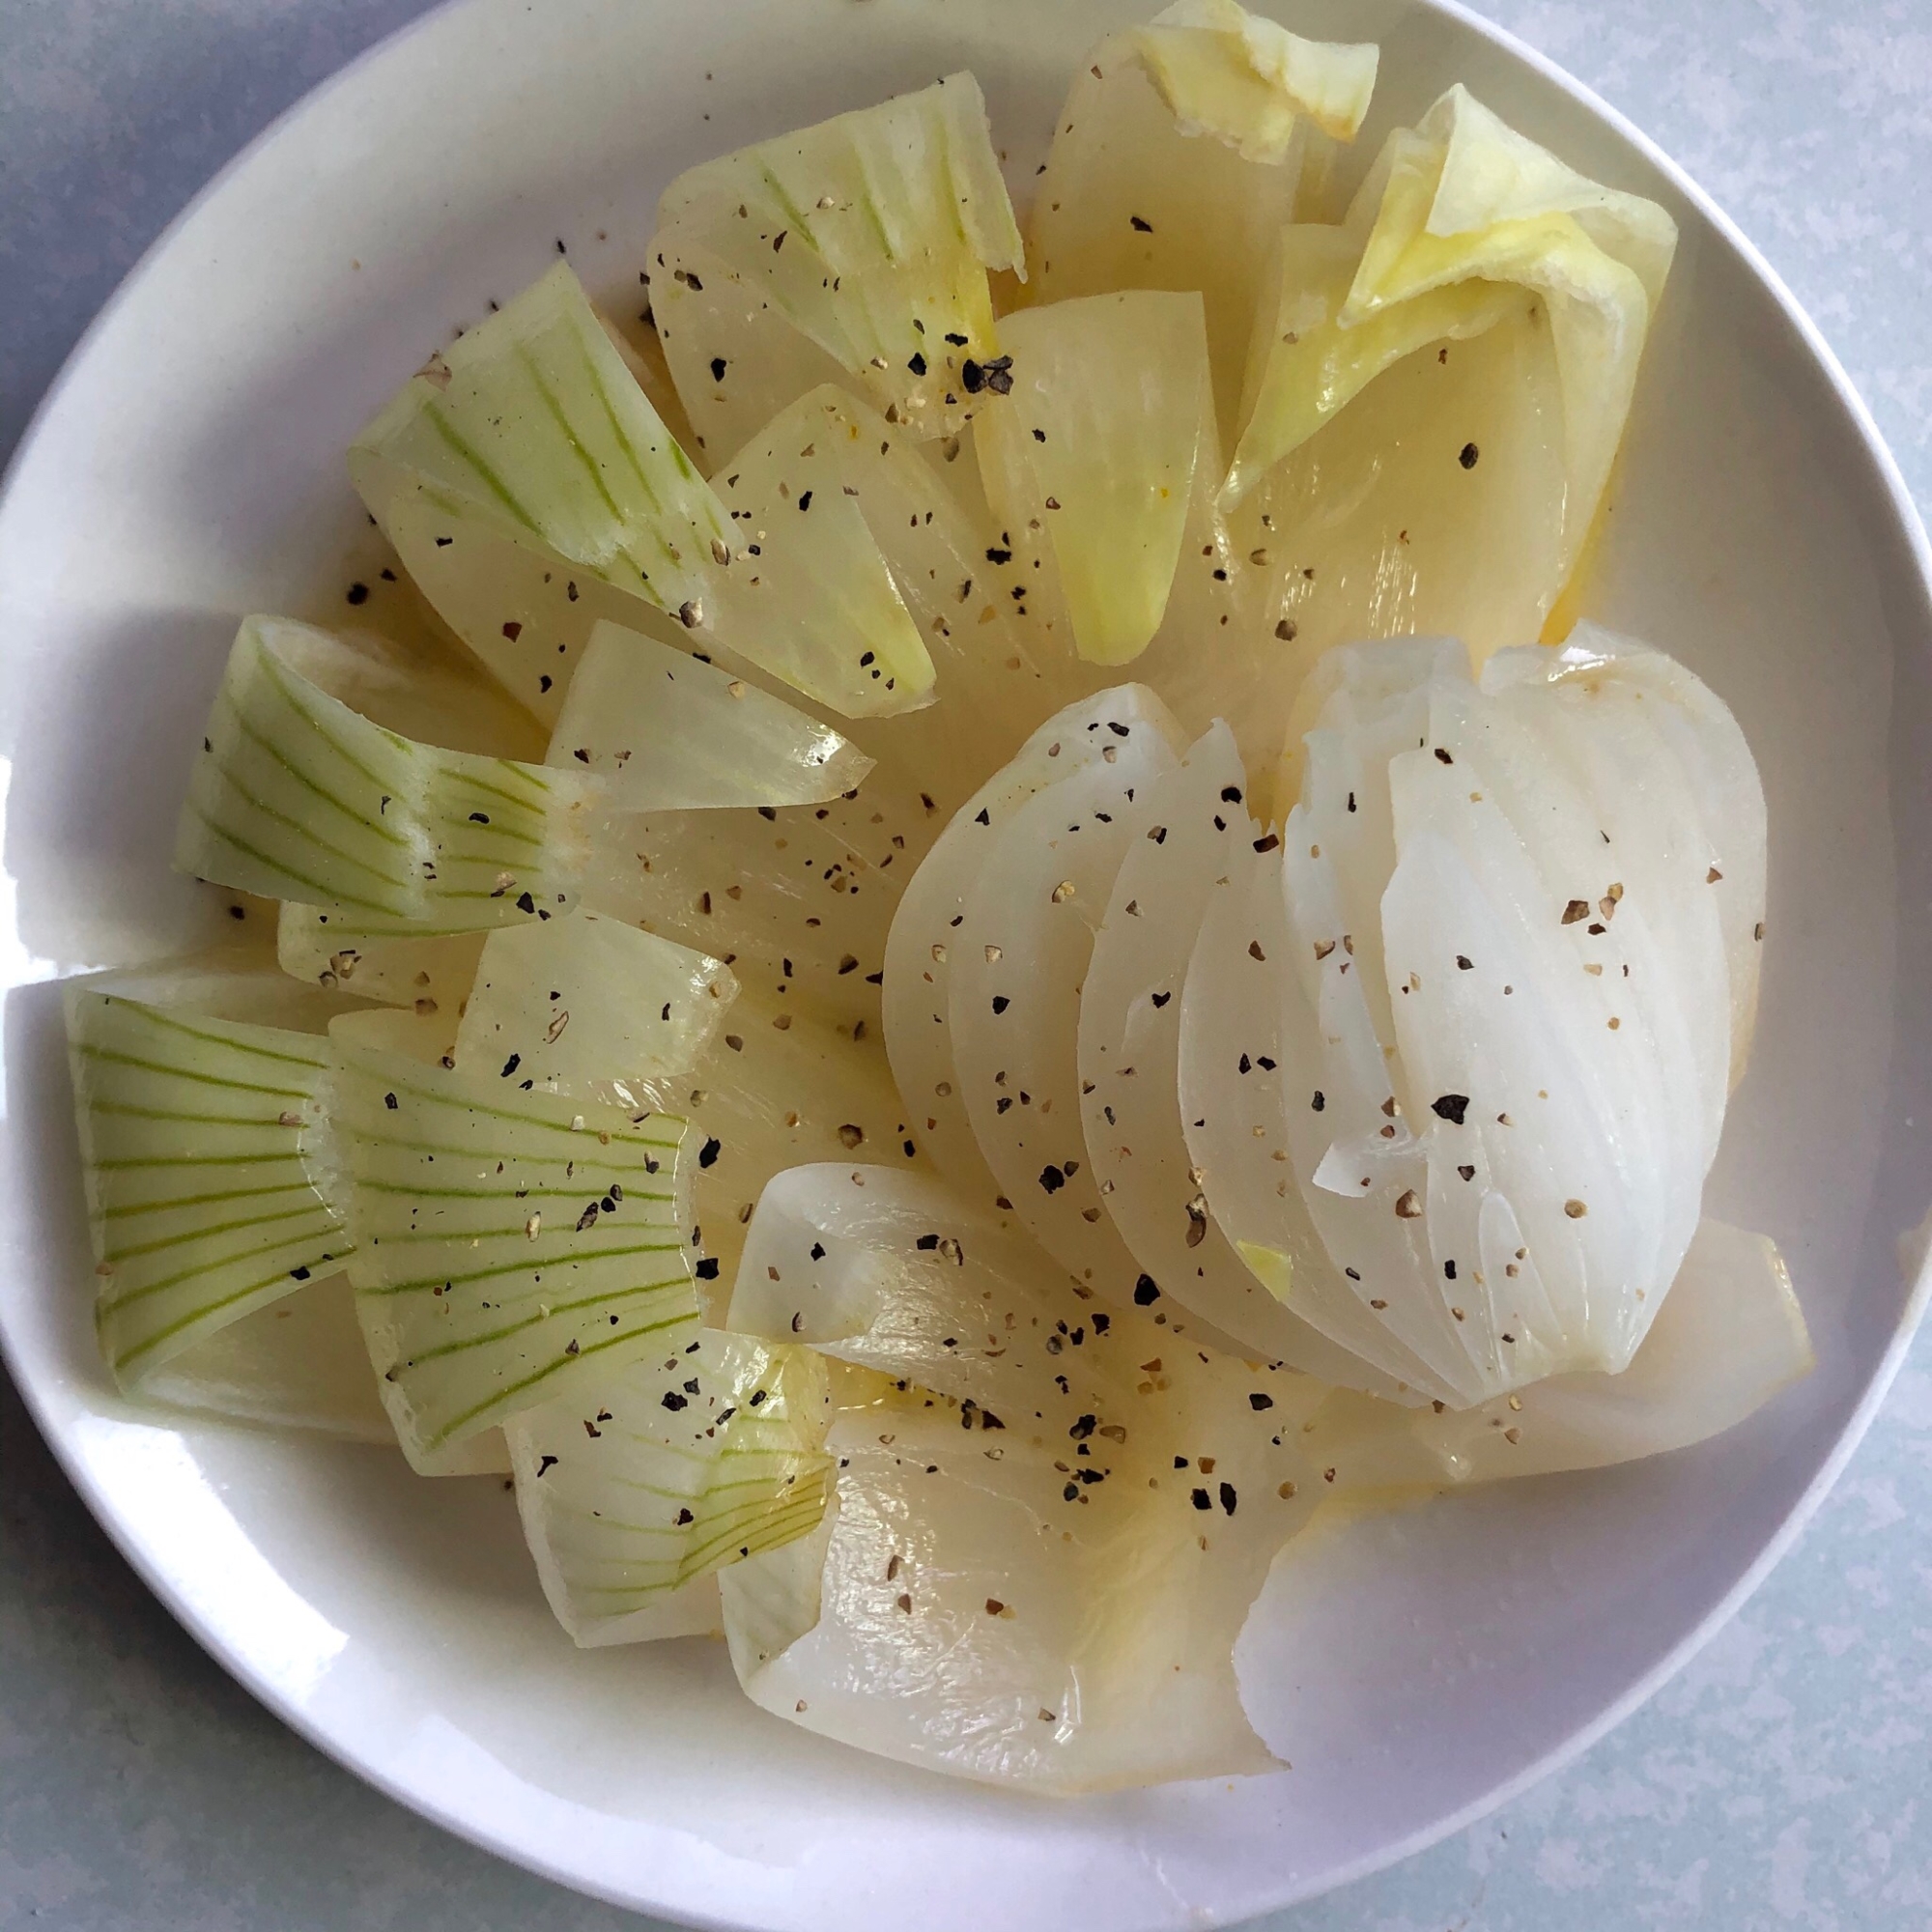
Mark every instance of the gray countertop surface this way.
pixel 1783 1780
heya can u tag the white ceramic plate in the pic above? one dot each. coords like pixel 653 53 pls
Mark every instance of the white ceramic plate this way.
pixel 1415 1669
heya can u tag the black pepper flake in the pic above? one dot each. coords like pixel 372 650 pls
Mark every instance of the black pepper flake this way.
pixel 805 499
pixel 673 1401
pixel 1228 1497
pixel 817 1251
pixel 389 1101
pixel 1141 227
pixel 927 1243
pixel 1320 1102
pixel 298 1275
pixel 1268 844
pixel 524 902
pixel 1145 1293
pixel 916 362
pixel 1202 1500
pixel 1051 1178
pixel 1468 455
pixel 1000 1002
pixel 358 593
pixel 684 1515
pixel 705 1270
pixel 1450 1107
pixel 718 367
pixel 1259 1401
pixel 707 1155
pixel 544 682
pixel 1161 999
pixel 511 1065
pixel 546 1465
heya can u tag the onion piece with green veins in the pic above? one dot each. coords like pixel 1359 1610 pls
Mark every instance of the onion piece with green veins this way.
pixel 1551 1039
pixel 926 929
pixel 207 1153
pixel 1097 445
pixel 499 1264
pixel 1465 233
pixel 296 796
pixel 1183 146
pixel 869 235
pixel 532 424
pixel 851 549
pixel 1019 957
pixel 1049 1525
pixel 1130 1014
pixel 667 731
pixel 587 1007
pixel 638 1489
pixel 388 960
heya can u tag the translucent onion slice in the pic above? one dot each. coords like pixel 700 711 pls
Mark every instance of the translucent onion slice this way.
pixel 533 423
pixel 1453 208
pixel 586 1005
pixel 780 892
pixel 294 1363
pixel 1242 1082
pixel 925 938
pixel 1019 958
pixel 777 1087
pixel 1023 1579
pixel 667 731
pixel 491 1274
pixel 204 1149
pixel 296 796
pixel 1184 146
pixel 1730 1336
pixel 637 1489
pixel 381 959
pixel 869 235
pixel 1129 1043
pixel 1516 1180
pixel 853 552
pixel 1098 444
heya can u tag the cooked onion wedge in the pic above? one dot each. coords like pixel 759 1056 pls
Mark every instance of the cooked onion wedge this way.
pixel 1026 1579
pixel 1181 150
pixel 868 236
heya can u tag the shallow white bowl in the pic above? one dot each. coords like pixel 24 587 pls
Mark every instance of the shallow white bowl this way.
pixel 1416 1668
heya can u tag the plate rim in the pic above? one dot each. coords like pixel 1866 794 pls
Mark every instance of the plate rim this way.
pixel 1909 524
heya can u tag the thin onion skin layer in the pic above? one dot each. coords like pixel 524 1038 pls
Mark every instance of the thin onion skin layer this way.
pixel 1023 1579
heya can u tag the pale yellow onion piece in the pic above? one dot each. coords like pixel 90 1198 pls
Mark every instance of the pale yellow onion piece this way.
pixel 1462 199
pixel 638 1489
pixel 869 235
pixel 587 1005
pixel 1098 443
pixel 893 562
pixel 667 731
pixel 1018 1584
pixel 385 961
pixel 1182 147
pixel 780 890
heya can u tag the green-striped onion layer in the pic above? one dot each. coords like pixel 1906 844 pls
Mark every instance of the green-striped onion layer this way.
pixel 533 423
pixel 383 960
pixel 204 1153
pixel 295 796
pixel 638 1487
pixel 510 1242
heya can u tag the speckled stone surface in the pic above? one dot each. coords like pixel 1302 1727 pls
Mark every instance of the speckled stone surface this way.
pixel 1784 1780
